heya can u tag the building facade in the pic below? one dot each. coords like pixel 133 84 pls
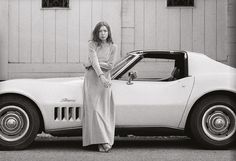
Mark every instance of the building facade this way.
pixel 37 42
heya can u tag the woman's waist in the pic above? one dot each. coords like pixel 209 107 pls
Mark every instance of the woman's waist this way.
pixel 89 67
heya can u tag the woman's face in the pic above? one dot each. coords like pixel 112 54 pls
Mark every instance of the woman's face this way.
pixel 103 33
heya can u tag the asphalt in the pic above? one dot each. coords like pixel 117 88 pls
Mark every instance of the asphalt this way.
pixel 125 149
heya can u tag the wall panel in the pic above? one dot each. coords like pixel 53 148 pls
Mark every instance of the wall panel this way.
pixel 174 29
pixel 60 36
pixel 210 28
pixel 231 33
pixel 13 21
pixel 128 12
pixel 4 39
pixel 49 34
pixel 37 32
pixel 150 25
pixel 199 26
pixel 112 14
pixel 85 27
pixel 162 25
pixel 186 29
pixel 73 32
pixel 128 41
pixel 221 26
pixel 25 31
pixel 138 24
pixel 97 7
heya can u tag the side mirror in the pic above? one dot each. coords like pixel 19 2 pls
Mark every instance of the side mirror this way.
pixel 132 76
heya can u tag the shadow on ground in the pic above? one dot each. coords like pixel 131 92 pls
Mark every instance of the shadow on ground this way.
pixel 75 143
pixel 63 143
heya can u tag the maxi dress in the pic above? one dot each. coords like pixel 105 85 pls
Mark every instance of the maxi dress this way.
pixel 99 112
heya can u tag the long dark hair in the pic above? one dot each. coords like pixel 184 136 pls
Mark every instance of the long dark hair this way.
pixel 95 34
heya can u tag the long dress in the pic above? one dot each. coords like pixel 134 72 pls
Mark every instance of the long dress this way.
pixel 98 106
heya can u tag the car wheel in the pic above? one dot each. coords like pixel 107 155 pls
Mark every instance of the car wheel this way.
pixel 19 122
pixel 213 122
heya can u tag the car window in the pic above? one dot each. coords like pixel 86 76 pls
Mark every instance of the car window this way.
pixel 152 69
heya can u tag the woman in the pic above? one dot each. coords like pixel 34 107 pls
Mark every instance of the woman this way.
pixel 99 113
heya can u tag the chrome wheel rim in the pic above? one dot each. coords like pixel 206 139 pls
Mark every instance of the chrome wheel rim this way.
pixel 14 123
pixel 219 122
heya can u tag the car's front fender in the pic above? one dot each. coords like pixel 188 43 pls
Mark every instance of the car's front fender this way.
pixel 64 96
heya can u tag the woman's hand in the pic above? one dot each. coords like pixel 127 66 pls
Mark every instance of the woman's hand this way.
pixel 105 66
pixel 104 69
pixel 106 83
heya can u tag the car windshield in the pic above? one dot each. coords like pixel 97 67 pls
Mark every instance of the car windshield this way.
pixel 121 63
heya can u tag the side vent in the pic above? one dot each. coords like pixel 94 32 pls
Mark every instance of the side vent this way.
pixel 56 113
pixel 66 113
pixel 77 112
pixel 70 114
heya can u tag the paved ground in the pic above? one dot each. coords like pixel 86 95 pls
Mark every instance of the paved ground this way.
pixel 125 149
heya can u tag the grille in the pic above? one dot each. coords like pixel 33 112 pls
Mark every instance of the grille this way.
pixel 67 113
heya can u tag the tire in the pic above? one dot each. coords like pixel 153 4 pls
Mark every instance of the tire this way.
pixel 213 122
pixel 19 122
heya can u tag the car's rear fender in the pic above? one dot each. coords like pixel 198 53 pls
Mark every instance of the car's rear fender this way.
pixel 203 89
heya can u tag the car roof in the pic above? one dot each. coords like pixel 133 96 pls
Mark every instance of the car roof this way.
pixel 160 53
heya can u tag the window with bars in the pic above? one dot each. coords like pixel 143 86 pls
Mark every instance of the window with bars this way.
pixel 55 3
pixel 180 3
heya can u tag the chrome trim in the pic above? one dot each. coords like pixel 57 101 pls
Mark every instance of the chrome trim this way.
pixel 218 122
pixel 63 129
pixel 14 123
pixel 128 64
pixel 116 126
pixel 67 100
pixel 65 113
pixel 147 126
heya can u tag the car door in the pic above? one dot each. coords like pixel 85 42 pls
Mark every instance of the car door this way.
pixel 151 102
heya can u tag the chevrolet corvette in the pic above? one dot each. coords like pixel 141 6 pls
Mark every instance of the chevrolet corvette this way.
pixel 155 93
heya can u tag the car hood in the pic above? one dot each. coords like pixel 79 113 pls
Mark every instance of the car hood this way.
pixel 48 85
pixel 43 80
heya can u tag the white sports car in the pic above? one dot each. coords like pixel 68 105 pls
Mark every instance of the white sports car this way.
pixel 155 93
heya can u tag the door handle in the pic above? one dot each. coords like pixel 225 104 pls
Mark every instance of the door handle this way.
pixel 129 83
